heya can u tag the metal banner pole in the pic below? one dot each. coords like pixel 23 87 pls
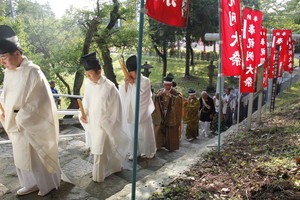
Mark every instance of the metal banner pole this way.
pixel 137 100
pixel 220 79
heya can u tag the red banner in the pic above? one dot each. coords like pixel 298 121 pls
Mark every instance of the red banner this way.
pixel 251 39
pixel 230 37
pixel 291 53
pixel 279 37
pixel 264 54
pixel 171 12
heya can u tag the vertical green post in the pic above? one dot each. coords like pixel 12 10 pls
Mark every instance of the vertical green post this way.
pixel 291 80
pixel 11 10
pixel 137 100
pixel 220 78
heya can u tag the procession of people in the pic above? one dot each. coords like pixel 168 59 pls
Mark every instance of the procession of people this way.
pixel 29 117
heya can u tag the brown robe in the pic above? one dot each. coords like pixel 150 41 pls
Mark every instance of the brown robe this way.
pixel 167 119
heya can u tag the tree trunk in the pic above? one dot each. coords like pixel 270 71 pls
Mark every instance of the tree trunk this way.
pixel 192 56
pixel 163 56
pixel 103 46
pixel 108 67
pixel 187 56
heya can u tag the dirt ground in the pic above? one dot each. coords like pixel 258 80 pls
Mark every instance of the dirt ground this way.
pixel 257 164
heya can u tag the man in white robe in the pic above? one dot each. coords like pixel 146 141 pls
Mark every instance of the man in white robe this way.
pixel 105 133
pixel 30 118
pixel 146 138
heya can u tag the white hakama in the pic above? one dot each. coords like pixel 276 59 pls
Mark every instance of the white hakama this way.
pixel 39 176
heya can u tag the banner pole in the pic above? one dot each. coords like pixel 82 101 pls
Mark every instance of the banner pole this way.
pixel 291 79
pixel 137 99
pixel 220 78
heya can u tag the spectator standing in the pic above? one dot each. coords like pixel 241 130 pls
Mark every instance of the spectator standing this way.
pixel 228 106
pixel 207 111
pixel 54 91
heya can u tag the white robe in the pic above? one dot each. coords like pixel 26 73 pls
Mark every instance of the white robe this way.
pixel 31 122
pixel 146 137
pixel 105 133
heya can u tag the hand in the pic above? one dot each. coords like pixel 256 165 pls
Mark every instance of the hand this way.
pixel 129 79
pixel 211 116
pixel 83 120
pixel 160 93
pixel 2 117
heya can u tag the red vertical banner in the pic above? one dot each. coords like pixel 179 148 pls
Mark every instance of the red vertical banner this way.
pixel 171 12
pixel 290 60
pixel 279 37
pixel 264 54
pixel 230 37
pixel 251 39
pixel 283 54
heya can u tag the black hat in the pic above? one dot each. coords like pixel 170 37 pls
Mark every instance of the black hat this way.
pixel 168 78
pixel 170 75
pixel 8 40
pixel 90 62
pixel 131 63
pixel 192 91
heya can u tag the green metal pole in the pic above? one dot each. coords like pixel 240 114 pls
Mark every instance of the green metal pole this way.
pixel 291 80
pixel 220 78
pixel 137 100
pixel 11 10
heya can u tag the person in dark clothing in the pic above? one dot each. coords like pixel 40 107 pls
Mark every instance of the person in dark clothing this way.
pixel 207 111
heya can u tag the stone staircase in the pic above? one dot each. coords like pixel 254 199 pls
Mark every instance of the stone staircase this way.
pixel 76 165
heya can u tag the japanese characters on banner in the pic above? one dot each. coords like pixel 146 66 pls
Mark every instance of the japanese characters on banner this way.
pixel 290 63
pixel 264 54
pixel 171 12
pixel 230 37
pixel 279 37
pixel 251 39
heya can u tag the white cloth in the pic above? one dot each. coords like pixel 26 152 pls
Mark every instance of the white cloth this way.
pixel 39 177
pixel 31 119
pixel 217 104
pixel 228 100
pixel 205 128
pixel 103 108
pixel 146 137
pixel 105 164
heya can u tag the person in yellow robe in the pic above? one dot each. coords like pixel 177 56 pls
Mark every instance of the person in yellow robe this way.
pixel 191 109
pixel 29 117
pixel 167 116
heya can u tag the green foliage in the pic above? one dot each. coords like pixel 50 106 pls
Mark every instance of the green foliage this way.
pixel 281 14
pixel 203 18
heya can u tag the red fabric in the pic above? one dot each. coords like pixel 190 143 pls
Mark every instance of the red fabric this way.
pixel 283 58
pixel 251 39
pixel 264 55
pixel 171 12
pixel 279 37
pixel 230 37
pixel 291 53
